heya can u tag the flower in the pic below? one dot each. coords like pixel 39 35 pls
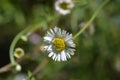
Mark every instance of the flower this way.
pixel 64 6
pixel 19 52
pixel 18 67
pixel 59 44
pixel 90 30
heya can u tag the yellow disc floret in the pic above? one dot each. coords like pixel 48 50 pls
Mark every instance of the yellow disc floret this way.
pixel 59 44
pixel 64 6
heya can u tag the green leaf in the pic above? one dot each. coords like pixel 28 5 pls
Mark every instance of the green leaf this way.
pixel 29 74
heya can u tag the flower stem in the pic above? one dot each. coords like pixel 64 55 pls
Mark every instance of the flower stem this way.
pixel 91 19
pixel 15 40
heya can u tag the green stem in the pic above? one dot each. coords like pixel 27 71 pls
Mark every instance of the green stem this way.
pixel 92 18
pixel 15 40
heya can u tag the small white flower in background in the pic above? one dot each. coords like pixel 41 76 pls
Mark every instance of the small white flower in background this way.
pixel 90 29
pixel 64 6
pixel 18 67
pixel 60 46
pixel 19 52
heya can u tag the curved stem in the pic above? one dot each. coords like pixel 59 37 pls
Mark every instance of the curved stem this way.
pixel 92 18
pixel 15 40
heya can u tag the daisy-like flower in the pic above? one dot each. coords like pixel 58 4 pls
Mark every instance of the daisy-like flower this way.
pixel 64 6
pixel 60 46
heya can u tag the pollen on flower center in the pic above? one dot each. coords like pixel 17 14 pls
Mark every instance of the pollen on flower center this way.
pixel 59 44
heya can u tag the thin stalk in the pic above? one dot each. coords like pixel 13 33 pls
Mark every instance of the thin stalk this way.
pixel 15 40
pixel 91 19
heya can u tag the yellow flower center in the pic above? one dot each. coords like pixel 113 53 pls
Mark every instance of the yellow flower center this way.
pixel 64 5
pixel 59 44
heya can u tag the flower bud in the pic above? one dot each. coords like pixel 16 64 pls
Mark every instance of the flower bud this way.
pixel 19 52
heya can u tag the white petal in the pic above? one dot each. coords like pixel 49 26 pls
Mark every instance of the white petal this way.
pixel 48 38
pixel 59 32
pixel 68 55
pixel 68 36
pixel 48 48
pixel 52 32
pixel 54 56
pixel 63 56
pixel 50 54
pixel 70 43
pixel 56 29
pixel 71 51
pixel 64 33
pixel 64 12
pixel 58 57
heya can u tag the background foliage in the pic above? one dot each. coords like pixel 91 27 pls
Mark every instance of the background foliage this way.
pixel 97 56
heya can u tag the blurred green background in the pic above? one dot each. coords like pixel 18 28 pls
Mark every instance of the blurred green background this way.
pixel 97 55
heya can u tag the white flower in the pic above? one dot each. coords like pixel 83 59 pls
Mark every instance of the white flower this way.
pixel 64 6
pixel 60 46
pixel 19 52
pixel 18 67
